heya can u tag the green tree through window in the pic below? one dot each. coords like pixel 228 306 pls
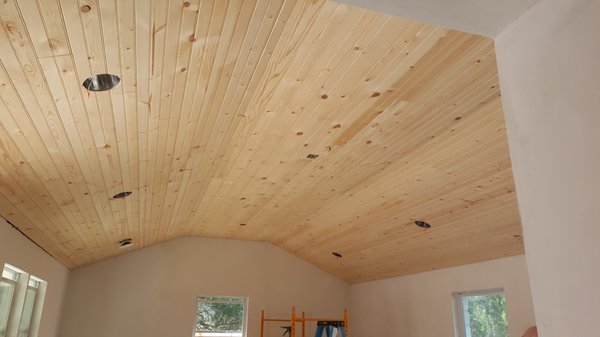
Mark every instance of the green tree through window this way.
pixel 220 314
pixel 482 314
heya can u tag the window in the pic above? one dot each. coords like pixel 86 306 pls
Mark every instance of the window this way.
pixel 21 301
pixel 221 316
pixel 480 314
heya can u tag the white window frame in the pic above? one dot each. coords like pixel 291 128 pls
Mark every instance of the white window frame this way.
pixel 23 282
pixel 233 299
pixel 10 276
pixel 459 313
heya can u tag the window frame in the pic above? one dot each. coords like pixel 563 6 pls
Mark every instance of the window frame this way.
pixel 12 297
pixel 10 270
pixel 23 282
pixel 458 308
pixel 244 300
pixel 31 314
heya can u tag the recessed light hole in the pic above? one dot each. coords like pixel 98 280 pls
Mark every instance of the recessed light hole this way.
pixel 422 224
pixel 125 243
pixel 122 195
pixel 101 82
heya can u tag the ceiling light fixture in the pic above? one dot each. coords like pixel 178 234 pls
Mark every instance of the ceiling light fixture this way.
pixel 422 224
pixel 101 82
pixel 125 243
pixel 122 195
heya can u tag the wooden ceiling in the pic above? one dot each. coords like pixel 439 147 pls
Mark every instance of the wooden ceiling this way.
pixel 219 105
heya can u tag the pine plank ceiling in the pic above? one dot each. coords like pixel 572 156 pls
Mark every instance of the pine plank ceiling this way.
pixel 219 106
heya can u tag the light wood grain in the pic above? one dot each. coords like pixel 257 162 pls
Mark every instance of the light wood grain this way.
pixel 219 105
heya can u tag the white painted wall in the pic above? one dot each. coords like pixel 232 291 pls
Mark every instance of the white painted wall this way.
pixel 17 250
pixel 549 64
pixel 482 17
pixel 420 305
pixel 152 292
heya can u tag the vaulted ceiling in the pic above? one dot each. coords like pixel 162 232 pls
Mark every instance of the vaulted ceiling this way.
pixel 220 104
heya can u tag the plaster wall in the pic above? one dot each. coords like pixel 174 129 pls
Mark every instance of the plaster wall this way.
pixel 549 71
pixel 152 292
pixel 18 251
pixel 421 305
pixel 481 17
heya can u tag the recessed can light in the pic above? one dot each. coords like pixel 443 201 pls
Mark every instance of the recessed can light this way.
pixel 122 195
pixel 422 224
pixel 125 243
pixel 101 82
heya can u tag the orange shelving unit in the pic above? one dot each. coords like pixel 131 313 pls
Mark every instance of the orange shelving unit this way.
pixel 293 320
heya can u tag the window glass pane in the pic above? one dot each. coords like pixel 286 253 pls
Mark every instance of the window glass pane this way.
pixel 485 316
pixel 27 313
pixel 6 294
pixel 220 316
